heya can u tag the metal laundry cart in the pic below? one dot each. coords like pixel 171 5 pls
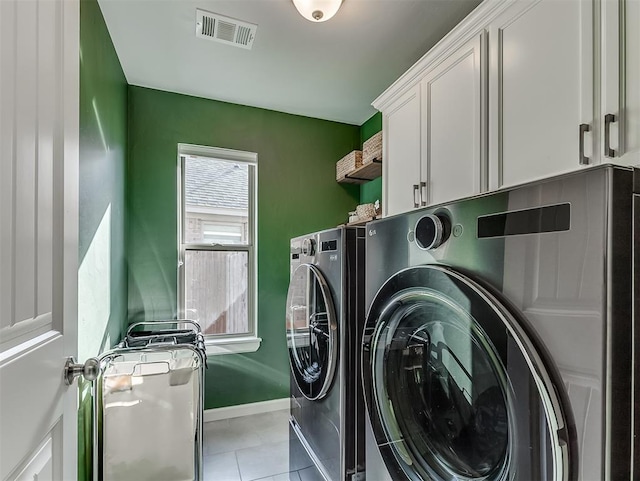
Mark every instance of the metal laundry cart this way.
pixel 148 405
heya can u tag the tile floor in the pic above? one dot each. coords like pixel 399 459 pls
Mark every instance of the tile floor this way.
pixel 251 448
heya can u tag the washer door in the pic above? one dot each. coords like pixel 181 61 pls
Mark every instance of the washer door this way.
pixel 456 389
pixel 312 334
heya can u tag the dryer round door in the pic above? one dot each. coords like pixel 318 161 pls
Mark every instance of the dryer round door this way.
pixel 457 387
pixel 312 334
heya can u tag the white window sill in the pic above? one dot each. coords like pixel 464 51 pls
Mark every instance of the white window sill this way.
pixel 216 347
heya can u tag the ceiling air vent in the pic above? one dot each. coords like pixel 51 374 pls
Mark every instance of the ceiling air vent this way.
pixel 224 29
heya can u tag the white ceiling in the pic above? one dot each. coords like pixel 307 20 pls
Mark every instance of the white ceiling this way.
pixel 331 70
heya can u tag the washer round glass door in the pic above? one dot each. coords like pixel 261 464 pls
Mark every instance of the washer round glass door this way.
pixel 455 387
pixel 312 335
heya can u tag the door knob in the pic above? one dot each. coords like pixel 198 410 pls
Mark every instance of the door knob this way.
pixel 89 370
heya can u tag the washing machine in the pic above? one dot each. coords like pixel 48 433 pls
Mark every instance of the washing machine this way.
pixel 500 337
pixel 324 323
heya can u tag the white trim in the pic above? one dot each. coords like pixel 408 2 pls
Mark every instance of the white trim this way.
pixel 226 211
pixel 229 345
pixel 261 407
pixel 468 28
pixel 66 314
pixel 217 153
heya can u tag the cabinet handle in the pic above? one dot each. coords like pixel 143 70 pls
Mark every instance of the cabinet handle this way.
pixel 608 120
pixel 582 159
pixel 423 193
pixel 416 194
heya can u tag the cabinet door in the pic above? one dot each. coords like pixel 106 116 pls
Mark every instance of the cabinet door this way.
pixel 620 119
pixel 453 110
pixel 401 131
pixel 541 89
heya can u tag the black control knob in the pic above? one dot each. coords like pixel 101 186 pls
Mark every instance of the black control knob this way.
pixel 308 247
pixel 431 231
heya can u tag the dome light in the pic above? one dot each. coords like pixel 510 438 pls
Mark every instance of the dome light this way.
pixel 317 10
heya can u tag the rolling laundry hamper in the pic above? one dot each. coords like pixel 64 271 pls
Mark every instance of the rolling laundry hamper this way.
pixel 148 403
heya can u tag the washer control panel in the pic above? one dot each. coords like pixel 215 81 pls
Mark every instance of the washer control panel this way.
pixel 329 246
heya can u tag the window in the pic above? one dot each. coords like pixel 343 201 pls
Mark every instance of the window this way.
pixel 217 236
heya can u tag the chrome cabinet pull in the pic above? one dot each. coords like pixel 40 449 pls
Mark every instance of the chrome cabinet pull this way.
pixel 582 159
pixel 416 193
pixel 608 120
pixel 423 193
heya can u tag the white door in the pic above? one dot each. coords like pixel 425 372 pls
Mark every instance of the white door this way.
pixel 453 103
pixel 39 95
pixel 401 142
pixel 541 90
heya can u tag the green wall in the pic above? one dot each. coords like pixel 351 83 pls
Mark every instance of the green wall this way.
pixel 103 146
pixel 102 273
pixel 297 194
pixel 371 191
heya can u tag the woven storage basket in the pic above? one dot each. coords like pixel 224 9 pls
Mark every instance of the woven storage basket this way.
pixel 372 149
pixel 366 211
pixel 348 163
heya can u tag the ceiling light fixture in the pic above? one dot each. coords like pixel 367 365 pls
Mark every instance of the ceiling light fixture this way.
pixel 317 10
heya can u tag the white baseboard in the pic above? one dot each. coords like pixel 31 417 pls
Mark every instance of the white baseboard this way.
pixel 229 412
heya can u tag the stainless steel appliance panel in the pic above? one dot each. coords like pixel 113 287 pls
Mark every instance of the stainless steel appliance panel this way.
pixel 571 283
pixel 330 425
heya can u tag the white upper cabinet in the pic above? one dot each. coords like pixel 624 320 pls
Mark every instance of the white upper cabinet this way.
pixel 519 90
pixel 401 144
pixel 620 82
pixel 541 90
pixel 452 136
pixel 434 145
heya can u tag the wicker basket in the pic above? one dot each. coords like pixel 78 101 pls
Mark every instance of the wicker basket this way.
pixel 348 163
pixel 372 149
pixel 366 211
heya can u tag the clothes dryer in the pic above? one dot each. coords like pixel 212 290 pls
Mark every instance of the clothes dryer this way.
pixel 500 337
pixel 324 321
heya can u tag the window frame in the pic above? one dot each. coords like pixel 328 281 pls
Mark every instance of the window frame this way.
pixel 223 343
